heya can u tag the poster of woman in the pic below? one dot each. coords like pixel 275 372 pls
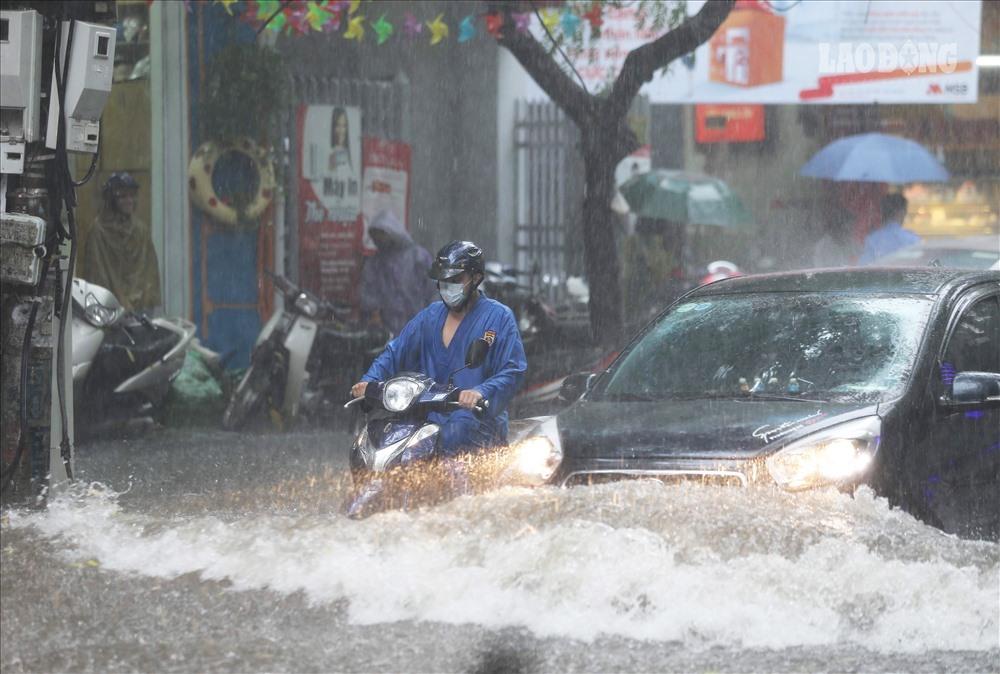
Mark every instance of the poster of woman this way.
pixel 332 163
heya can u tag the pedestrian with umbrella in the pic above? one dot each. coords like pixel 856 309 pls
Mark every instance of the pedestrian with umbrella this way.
pixel 658 257
pixel 878 158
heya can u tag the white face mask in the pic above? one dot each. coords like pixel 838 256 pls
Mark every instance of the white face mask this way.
pixel 452 294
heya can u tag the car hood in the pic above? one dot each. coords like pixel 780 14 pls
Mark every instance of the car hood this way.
pixel 737 429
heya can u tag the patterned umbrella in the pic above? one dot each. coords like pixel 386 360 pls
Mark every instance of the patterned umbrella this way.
pixel 687 198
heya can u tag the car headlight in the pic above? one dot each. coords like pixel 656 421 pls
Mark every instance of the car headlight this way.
pixel 306 305
pixel 536 458
pixel 832 456
pixel 97 314
pixel 399 393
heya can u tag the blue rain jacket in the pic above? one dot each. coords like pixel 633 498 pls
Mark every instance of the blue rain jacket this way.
pixel 886 239
pixel 419 348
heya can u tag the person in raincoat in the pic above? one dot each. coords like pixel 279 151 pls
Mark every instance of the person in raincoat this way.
pixel 394 281
pixel 653 268
pixel 435 342
pixel 119 253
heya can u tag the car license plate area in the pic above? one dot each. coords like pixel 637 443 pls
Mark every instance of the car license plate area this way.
pixel 706 478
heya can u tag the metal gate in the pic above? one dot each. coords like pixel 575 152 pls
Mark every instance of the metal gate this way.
pixel 384 113
pixel 549 194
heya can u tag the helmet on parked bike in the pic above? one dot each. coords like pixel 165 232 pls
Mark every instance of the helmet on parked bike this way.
pixel 455 258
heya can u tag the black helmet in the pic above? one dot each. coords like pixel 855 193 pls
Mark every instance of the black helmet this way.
pixel 456 257
pixel 118 181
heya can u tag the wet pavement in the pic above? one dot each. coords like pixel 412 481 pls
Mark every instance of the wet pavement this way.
pixel 196 551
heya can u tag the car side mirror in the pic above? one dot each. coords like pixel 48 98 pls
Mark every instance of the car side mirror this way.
pixel 575 385
pixel 974 388
pixel 476 353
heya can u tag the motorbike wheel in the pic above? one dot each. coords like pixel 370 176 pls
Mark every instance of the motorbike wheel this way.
pixel 248 397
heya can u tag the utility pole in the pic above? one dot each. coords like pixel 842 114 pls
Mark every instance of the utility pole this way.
pixel 58 62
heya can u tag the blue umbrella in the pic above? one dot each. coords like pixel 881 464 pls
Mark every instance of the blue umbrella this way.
pixel 875 158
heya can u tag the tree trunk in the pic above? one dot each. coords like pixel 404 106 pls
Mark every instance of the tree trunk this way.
pixel 599 236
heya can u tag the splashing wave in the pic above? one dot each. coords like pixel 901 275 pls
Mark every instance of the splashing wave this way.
pixel 699 565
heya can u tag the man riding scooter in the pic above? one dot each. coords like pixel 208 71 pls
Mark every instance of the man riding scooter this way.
pixel 436 340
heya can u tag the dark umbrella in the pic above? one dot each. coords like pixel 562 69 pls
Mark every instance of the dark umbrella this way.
pixel 685 198
pixel 875 158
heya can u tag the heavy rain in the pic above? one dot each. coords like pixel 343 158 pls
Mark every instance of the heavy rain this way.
pixel 500 336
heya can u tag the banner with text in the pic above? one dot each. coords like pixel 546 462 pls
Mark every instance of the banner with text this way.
pixel 786 51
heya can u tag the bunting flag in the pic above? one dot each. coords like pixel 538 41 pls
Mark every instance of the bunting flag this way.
pixel 355 28
pixel 466 29
pixel 301 17
pixel 412 26
pixel 594 16
pixel 494 22
pixel 570 23
pixel 318 16
pixel 522 21
pixel 383 29
pixel 439 29
pixel 550 19
pixel 227 4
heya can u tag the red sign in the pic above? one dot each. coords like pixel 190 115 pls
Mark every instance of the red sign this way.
pixel 386 183
pixel 729 123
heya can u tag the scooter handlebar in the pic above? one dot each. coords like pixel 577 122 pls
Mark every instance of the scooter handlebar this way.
pixel 479 408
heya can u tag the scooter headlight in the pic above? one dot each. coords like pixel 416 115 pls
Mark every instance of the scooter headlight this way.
pixel 306 306
pixel 398 394
pixel 536 458
pixel 99 315
pixel 833 456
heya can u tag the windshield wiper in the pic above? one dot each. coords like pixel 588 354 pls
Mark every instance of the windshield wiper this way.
pixel 742 396
pixel 629 398
pixel 779 396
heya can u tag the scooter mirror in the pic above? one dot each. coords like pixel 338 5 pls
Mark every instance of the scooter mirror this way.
pixel 476 355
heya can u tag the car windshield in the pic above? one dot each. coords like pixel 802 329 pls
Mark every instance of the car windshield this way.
pixel 825 346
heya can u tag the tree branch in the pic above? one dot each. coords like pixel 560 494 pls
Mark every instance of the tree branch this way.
pixel 644 61
pixel 542 67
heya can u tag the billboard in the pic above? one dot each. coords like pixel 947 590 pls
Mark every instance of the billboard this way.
pixel 787 51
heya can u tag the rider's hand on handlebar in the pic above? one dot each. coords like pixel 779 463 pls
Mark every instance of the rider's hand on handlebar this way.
pixel 358 390
pixel 469 398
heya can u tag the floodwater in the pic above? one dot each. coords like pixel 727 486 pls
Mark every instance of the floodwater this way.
pixel 212 552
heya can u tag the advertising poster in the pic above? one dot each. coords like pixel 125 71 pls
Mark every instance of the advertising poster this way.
pixel 791 52
pixel 386 183
pixel 330 174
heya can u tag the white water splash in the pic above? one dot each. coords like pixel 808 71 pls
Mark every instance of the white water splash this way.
pixel 699 565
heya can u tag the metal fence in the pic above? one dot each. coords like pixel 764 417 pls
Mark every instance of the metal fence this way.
pixel 384 112
pixel 549 189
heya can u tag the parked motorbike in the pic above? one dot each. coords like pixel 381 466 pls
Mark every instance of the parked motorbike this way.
pixel 397 434
pixel 304 357
pixel 123 362
pixel 535 319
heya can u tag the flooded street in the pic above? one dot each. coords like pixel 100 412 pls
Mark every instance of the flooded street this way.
pixel 206 551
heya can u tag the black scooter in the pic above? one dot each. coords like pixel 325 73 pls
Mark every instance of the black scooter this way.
pixel 397 435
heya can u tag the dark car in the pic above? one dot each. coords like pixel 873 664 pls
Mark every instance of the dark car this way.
pixel 885 377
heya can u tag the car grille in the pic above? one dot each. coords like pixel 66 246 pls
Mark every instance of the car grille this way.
pixel 706 477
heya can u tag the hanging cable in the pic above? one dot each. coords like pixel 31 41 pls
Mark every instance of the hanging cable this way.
pixel 7 476
pixel 67 193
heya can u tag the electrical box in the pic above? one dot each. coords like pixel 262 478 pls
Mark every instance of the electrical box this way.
pixel 88 84
pixel 22 239
pixel 20 85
